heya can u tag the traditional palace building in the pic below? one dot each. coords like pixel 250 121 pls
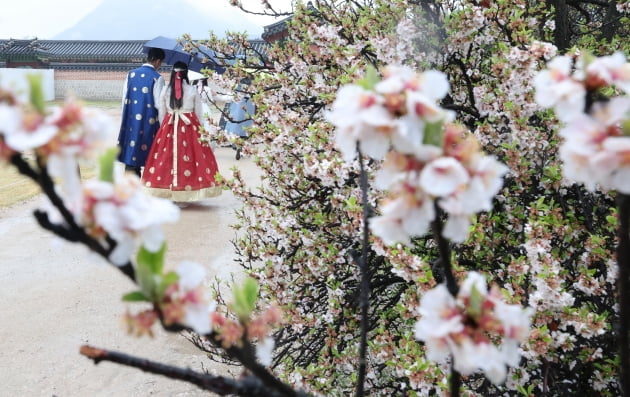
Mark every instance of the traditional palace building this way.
pixel 96 69
pixel 91 69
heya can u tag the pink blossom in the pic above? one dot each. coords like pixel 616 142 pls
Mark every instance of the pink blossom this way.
pixel 402 217
pixel 594 151
pixel 440 319
pixel 609 70
pixel 141 323
pixel 431 84
pixel 476 327
pixel 24 129
pixel 186 300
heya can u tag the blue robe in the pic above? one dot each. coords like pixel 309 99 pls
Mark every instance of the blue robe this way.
pixel 240 111
pixel 140 119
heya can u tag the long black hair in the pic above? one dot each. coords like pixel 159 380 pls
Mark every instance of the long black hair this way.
pixel 179 73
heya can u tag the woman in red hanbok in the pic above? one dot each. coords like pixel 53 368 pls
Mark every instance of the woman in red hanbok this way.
pixel 179 167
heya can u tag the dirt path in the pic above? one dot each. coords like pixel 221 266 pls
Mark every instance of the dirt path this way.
pixel 54 298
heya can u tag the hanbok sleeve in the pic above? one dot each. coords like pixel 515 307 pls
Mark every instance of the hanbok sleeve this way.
pixel 124 90
pixel 197 107
pixel 161 104
pixel 157 89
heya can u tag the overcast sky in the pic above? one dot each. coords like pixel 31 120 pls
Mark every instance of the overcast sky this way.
pixel 21 19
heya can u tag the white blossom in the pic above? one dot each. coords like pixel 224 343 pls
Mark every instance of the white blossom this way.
pixel 264 350
pixel 127 214
pixel 467 327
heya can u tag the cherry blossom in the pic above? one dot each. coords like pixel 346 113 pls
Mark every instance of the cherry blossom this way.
pixel 142 323
pixel 595 151
pixel 476 327
pixel 401 217
pixel 63 136
pixel 608 70
pixel 443 177
pixel 359 117
pixel 23 128
pixel 431 158
pixel 186 302
pixel 122 210
pixel 555 87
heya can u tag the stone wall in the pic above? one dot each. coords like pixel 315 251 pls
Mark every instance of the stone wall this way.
pixel 90 85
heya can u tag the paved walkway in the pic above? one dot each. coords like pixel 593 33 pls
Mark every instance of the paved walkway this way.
pixel 55 298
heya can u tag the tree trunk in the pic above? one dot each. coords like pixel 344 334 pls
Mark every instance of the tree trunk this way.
pixel 561 18
pixel 611 21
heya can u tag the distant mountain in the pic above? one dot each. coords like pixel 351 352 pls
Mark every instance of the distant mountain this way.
pixel 146 19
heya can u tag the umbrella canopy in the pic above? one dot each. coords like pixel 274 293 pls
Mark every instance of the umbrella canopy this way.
pixel 205 59
pixel 175 52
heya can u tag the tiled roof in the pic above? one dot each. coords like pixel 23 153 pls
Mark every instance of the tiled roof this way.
pixel 90 66
pixel 20 48
pixel 74 50
pixel 276 27
pixel 93 50
pixel 86 51
pixel 259 45
pixel 281 26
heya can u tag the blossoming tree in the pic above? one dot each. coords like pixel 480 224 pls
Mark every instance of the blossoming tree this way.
pixel 547 243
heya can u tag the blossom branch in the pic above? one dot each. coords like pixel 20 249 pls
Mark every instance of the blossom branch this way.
pixel 365 279
pixel 248 386
pixel 451 284
pixel 71 231
pixel 245 354
pixel 23 167
pixel 444 250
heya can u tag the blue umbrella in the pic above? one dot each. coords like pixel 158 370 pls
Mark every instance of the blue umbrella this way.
pixel 205 59
pixel 175 52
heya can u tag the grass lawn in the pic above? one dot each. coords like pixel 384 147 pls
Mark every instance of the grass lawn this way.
pixel 16 188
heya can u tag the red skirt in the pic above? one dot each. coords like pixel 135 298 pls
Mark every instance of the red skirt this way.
pixel 179 167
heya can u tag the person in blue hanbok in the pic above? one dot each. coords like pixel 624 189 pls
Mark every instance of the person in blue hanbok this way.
pixel 239 119
pixel 140 118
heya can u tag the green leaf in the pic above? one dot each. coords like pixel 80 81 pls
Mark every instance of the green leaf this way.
pixel 153 260
pixel 106 165
pixel 370 79
pixel 37 92
pixel 433 134
pixel 149 272
pixel 245 299
pixel 136 296
pixel 351 204
pixel 476 301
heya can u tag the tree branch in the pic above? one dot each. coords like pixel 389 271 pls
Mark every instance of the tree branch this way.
pixel 248 386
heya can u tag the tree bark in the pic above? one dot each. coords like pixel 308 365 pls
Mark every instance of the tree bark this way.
pixel 561 19
pixel 611 22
